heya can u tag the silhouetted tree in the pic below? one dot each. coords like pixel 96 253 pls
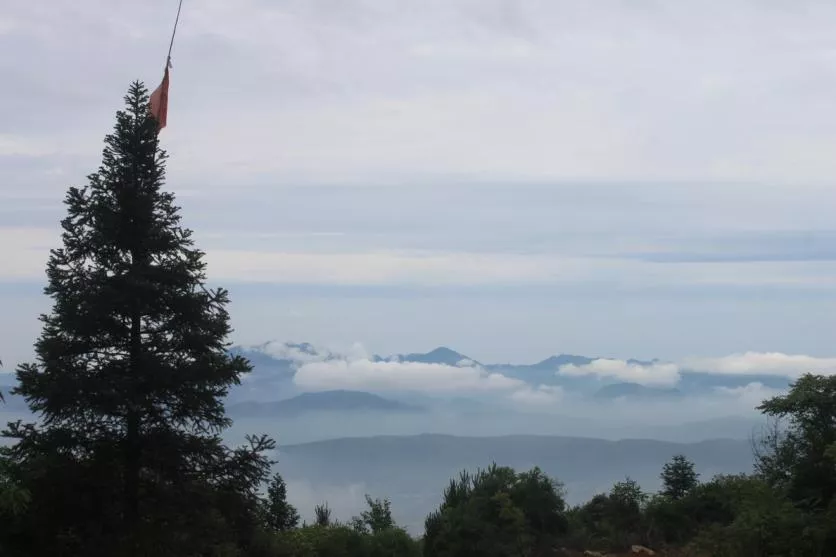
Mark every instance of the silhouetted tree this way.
pixel 132 366
pixel 279 515
pixel 322 515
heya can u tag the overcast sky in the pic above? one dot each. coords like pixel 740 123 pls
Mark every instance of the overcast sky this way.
pixel 512 178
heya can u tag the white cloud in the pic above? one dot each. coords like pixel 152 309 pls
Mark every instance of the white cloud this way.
pixel 400 376
pixel 292 351
pixel 750 395
pixel 763 363
pixel 655 374
pixel 543 395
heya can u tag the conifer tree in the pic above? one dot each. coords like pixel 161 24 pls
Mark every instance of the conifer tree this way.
pixel 131 370
pixel 678 477
pixel 279 514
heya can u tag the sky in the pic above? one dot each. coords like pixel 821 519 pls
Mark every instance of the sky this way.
pixel 511 178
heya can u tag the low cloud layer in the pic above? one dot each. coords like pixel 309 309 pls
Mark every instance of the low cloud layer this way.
pixel 344 501
pixel 543 395
pixel 775 364
pixel 750 395
pixel 763 363
pixel 401 376
pixel 655 374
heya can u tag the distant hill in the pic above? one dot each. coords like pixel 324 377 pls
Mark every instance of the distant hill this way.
pixel 325 401
pixel 413 470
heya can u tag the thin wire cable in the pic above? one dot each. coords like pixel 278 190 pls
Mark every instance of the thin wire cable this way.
pixel 173 32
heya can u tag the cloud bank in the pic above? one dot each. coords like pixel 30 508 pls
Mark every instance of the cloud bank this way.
pixel 655 374
pixel 401 376
pixel 777 364
pixel 763 363
pixel 542 395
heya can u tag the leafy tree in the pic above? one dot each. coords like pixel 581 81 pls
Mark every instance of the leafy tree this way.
pixel 132 366
pixel 378 517
pixel 497 512
pixel 279 515
pixel 799 458
pixel 611 521
pixel 751 519
pixel 678 477
pixel 393 542
pixel 343 541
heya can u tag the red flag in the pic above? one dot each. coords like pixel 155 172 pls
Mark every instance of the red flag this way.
pixel 159 101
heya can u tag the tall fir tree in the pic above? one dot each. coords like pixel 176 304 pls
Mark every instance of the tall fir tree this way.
pixel 132 368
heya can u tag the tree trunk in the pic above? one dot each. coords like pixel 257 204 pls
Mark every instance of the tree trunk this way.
pixel 133 448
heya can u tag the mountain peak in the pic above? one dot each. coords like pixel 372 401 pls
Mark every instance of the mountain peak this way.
pixel 555 362
pixel 440 355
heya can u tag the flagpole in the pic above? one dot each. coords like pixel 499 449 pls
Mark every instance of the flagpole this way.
pixel 158 101
pixel 173 32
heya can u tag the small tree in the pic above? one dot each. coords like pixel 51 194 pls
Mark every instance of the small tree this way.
pixel 322 515
pixel 678 477
pixel 379 515
pixel 279 515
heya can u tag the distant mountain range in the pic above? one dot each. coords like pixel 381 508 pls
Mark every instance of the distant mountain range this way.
pixel 323 401
pixel 271 393
pixel 276 363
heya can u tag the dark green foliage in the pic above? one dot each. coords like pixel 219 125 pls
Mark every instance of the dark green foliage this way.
pixel 762 522
pixel 377 518
pixel 130 375
pixel 612 521
pixel 497 512
pixel 786 509
pixel 279 515
pixel 322 515
pixel 800 457
pixel 678 477
pixel 343 541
